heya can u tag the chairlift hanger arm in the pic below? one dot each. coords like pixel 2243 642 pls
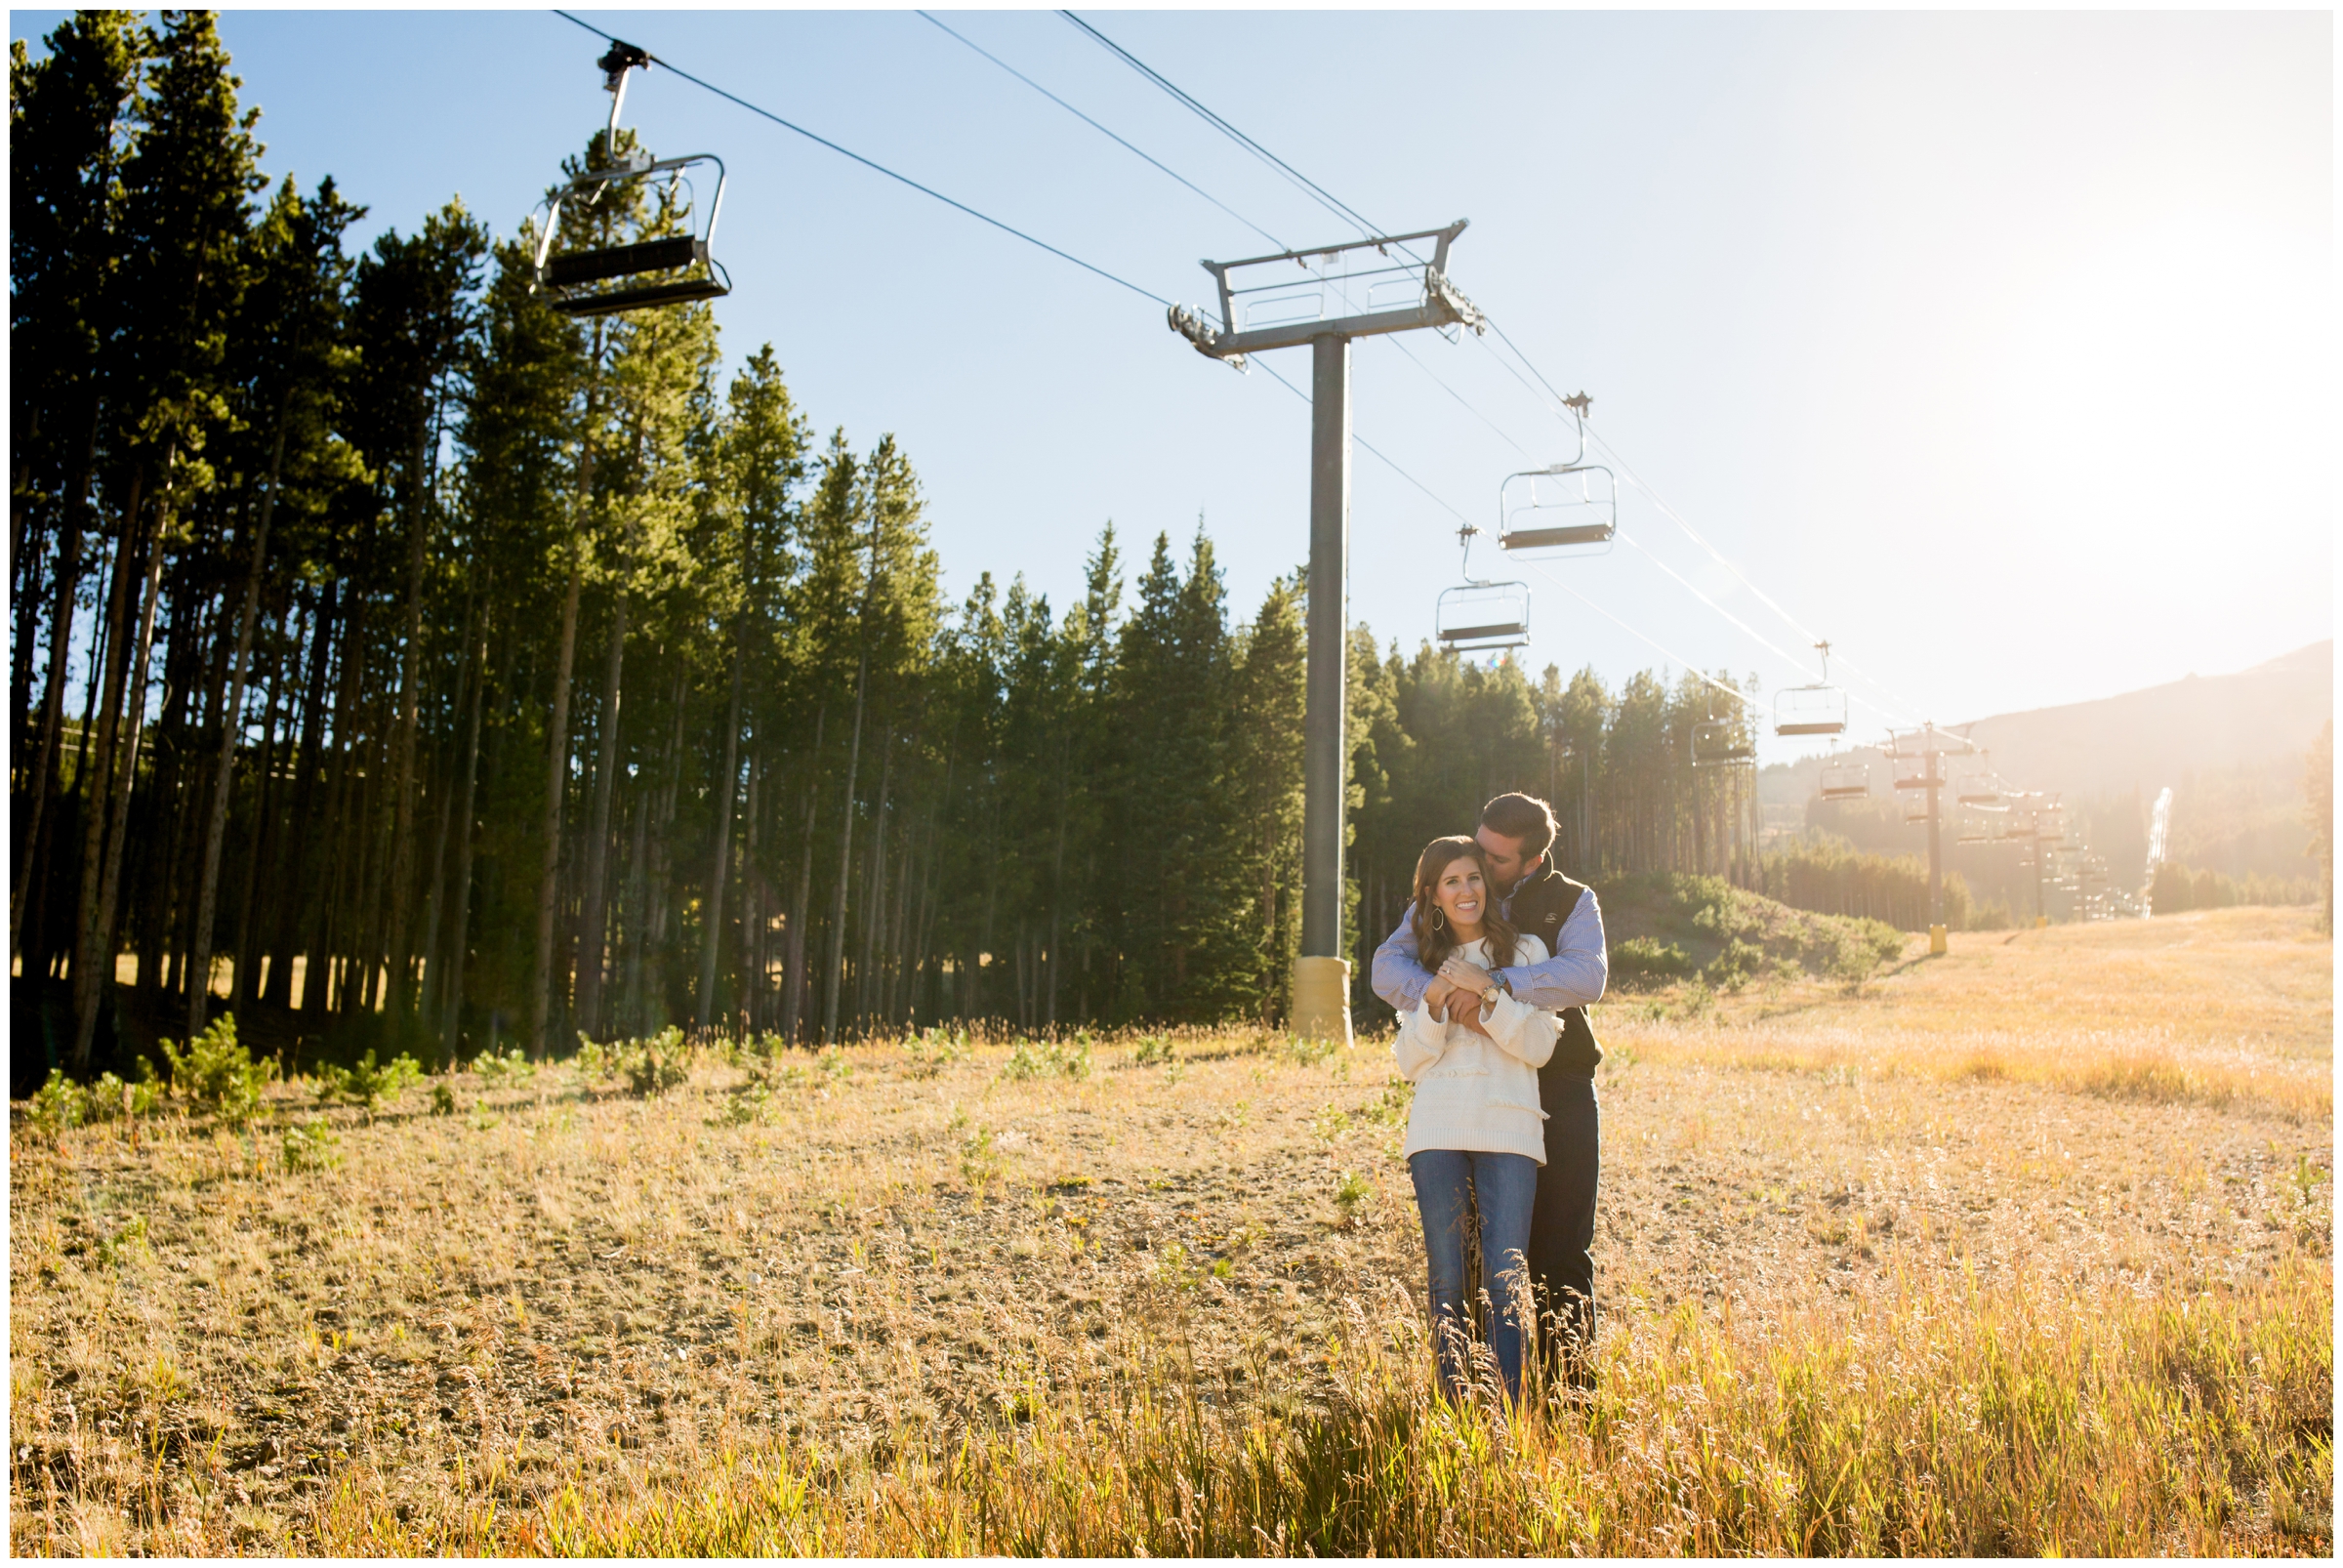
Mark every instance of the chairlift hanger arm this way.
pixel 1443 304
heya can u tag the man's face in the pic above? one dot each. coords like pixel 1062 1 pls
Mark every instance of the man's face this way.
pixel 1505 863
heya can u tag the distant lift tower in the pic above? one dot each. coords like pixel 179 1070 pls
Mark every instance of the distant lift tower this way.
pixel 1916 754
pixel 1323 299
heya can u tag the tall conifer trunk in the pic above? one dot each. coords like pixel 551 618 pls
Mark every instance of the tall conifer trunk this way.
pixel 117 771
pixel 801 905
pixel 401 860
pixel 259 843
pixel 593 934
pixel 556 782
pixel 94 780
pixel 33 857
pixel 832 977
pixel 434 903
pixel 720 872
pixel 459 934
pixel 232 716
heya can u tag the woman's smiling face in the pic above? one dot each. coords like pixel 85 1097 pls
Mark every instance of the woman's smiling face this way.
pixel 1462 894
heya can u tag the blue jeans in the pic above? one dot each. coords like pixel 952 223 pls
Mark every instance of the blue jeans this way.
pixel 1450 1185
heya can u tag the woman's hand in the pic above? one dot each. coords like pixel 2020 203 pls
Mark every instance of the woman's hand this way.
pixel 1465 976
pixel 1437 995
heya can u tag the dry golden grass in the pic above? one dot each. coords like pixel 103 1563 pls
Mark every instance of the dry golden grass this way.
pixel 1888 1272
pixel 2218 1008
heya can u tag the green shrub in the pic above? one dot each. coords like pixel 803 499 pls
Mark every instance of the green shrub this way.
pixel 592 1063
pixel 1735 964
pixel 128 1241
pixel 217 1073
pixel 1648 957
pixel 1304 1051
pixel 1055 1059
pixel 1153 1049
pixel 658 1065
pixel 513 1067
pixel 933 1049
pixel 111 1097
pixel 312 1146
pixel 59 1105
pixel 366 1082
pixel 443 1101
pixel 744 1109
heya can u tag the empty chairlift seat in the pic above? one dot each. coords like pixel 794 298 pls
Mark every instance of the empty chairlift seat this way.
pixel 1719 742
pixel 1480 617
pixel 672 264
pixel 1570 508
pixel 1816 710
pixel 1846 781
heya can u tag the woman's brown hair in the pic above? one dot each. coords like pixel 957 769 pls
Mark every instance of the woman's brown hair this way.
pixel 1434 942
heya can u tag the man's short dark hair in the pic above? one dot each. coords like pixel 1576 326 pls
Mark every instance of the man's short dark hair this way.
pixel 1524 817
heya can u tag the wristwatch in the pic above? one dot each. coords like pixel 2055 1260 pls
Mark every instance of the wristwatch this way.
pixel 1489 997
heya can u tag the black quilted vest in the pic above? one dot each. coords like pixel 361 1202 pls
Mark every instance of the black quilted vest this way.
pixel 1540 906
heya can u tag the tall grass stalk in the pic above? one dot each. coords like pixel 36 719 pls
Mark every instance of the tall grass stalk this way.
pixel 2017 1419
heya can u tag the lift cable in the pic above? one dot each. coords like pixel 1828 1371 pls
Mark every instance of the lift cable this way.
pixel 902 179
pixel 1818 678
pixel 1317 191
pixel 1740 697
pixel 1103 130
pixel 1157 299
pixel 1445 505
pixel 1437 498
pixel 1351 215
pixel 1677 518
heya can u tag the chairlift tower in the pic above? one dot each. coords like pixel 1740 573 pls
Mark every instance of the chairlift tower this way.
pixel 1323 299
pixel 1925 746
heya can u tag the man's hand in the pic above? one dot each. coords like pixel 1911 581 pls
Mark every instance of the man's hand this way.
pixel 1465 974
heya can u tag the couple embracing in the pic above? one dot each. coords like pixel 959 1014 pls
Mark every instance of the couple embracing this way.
pixel 1492 972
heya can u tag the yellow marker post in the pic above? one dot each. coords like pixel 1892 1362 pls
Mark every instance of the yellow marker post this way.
pixel 1936 941
pixel 1322 999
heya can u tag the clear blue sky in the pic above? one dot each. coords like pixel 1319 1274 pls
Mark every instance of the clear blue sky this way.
pixel 1998 348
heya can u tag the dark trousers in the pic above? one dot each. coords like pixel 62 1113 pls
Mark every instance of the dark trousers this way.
pixel 1562 1221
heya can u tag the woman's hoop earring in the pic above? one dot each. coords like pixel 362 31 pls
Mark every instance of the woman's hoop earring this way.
pixel 1439 919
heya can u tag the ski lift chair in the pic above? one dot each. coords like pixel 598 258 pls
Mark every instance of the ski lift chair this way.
pixel 666 269
pixel 1720 743
pixel 1562 509
pixel 1810 710
pixel 1915 805
pixel 1846 781
pixel 1982 791
pixel 1479 617
pixel 1815 709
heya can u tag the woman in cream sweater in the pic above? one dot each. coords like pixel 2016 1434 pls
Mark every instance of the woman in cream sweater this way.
pixel 1476 1135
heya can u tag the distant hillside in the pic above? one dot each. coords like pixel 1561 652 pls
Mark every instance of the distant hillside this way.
pixel 2230 746
pixel 2143 739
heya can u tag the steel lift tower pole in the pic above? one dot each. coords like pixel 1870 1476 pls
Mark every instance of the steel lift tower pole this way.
pixel 1926 746
pixel 1315 297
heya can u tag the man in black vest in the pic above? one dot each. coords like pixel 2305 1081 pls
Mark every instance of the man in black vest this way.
pixel 1515 833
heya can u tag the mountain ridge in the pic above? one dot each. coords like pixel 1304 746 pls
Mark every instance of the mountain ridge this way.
pixel 2143 739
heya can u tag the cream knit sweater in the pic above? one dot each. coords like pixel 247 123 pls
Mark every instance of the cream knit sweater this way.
pixel 1475 1093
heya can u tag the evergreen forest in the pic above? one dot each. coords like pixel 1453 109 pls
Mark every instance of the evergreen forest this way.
pixel 394 658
